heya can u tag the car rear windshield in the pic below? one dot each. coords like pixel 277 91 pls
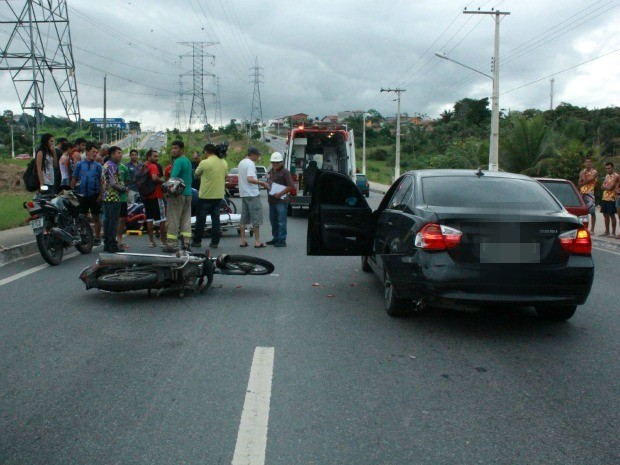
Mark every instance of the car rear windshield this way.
pixel 487 193
pixel 564 192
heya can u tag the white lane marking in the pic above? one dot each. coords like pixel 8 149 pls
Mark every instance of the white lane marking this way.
pixel 252 435
pixel 17 276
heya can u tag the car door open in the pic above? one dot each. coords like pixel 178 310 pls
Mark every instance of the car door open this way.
pixel 340 221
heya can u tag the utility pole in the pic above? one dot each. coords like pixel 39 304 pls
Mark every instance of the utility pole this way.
pixel 552 80
pixel 199 109
pixel 494 143
pixel 105 119
pixel 27 57
pixel 397 160
pixel 257 109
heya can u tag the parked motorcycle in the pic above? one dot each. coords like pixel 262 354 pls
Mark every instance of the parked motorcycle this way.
pixel 186 270
pixel 57 224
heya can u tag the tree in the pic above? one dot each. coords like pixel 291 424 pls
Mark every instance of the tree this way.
pixel 472 112
pixel 134 126
pixel 526 146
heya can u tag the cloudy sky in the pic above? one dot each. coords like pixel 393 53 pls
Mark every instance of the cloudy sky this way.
pixel 322 57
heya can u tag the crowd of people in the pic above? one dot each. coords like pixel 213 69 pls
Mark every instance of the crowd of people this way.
pixel 107 186
pixel 610 200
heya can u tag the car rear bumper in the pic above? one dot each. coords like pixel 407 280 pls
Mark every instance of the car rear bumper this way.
pixel 436 275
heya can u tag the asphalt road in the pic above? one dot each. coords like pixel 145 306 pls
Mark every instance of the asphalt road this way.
pixel 90 377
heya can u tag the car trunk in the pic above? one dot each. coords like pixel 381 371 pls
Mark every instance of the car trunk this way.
pixel 499 240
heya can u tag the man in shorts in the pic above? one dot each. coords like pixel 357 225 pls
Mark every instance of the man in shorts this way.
pixel 608 202
pixel 251 207
pixel 154 207
pixel 87 174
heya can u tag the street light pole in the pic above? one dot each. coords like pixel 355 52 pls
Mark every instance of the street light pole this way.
pixel 494 143
pixel 364 143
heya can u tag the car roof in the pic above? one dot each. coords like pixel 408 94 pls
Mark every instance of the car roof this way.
pixel 555 180
pixel 466 173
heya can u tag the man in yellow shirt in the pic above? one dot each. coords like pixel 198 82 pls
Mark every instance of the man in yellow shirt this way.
pixel 212 174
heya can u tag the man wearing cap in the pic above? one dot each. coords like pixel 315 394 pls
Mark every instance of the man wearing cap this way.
pixel 281 183
pixel 251 208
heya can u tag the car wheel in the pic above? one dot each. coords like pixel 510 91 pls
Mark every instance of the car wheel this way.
pixel 556 312
pixel 365 266
pixel 394 306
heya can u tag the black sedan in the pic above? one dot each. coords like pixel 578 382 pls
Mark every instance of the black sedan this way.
pixel 458 237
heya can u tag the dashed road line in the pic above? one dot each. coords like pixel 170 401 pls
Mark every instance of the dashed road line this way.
pixel 252 436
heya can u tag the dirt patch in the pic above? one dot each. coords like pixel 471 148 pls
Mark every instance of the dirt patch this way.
pixel 11 178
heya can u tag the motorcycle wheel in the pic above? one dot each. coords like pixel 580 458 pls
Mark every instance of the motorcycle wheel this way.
pixel 86 237
pixel 231 205
pixel 51 249
pixel 246 264
pixel 127 280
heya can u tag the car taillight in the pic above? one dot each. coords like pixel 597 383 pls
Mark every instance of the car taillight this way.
pixel 577 241
pixel 30 204
pixel 435 236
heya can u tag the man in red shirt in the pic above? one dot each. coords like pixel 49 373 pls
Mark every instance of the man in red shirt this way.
pixel 154 207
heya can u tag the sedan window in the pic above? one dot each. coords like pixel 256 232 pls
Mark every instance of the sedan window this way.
pixel 564 192
pixel 402 194
pixel 487 193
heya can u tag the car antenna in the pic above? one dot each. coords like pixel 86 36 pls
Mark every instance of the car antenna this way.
pixel 479 173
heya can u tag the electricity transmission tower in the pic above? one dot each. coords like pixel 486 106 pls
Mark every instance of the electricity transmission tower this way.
pixel 198 113
pixel 28 57
pixel 257 109
pixel 181 118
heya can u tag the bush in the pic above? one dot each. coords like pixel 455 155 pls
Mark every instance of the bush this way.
pixel 379 154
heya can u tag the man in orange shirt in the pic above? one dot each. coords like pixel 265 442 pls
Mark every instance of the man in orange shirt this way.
pixel 587 183
pixel 608 202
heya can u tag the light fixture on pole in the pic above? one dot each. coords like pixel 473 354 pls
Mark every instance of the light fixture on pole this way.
pixel 364 116
pixel 494 138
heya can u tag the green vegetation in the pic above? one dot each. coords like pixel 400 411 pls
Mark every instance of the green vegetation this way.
pixel 12 212
pixel 550 143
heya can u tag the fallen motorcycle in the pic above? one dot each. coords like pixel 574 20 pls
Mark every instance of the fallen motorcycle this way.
pixel 57 223
pixel 186 270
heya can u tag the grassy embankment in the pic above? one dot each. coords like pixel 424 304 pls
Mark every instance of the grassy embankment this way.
pixel 12 194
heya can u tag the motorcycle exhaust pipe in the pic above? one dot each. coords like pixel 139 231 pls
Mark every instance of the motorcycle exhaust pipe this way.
pixel 63 236
pixel 129 259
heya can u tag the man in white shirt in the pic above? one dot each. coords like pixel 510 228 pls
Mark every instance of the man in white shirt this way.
pixel 251 207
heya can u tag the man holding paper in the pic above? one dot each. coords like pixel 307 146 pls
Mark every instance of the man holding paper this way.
pixel 280 184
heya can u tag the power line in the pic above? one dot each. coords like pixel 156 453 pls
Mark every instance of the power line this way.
pixel 560 72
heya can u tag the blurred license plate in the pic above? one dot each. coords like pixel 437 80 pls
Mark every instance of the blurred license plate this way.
pixel 509 253
pixel 36 224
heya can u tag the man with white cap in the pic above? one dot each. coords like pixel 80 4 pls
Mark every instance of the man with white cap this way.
pixel 280 184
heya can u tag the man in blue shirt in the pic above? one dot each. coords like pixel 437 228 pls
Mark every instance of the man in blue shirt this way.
pixel 88 173
pixel 134 165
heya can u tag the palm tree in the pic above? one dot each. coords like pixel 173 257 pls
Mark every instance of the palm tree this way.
pixel 527 146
